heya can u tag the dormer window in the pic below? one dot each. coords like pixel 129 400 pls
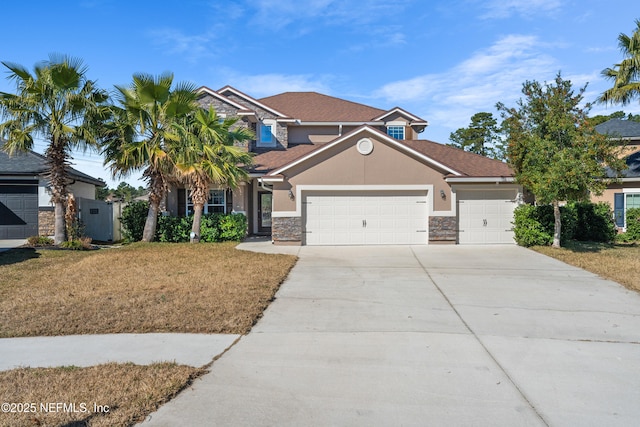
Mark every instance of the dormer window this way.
pixel 395 131
pixel 267 133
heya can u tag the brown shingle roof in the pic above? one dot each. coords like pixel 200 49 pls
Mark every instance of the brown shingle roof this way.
pixel 270 160
pixel 469 164
pixel 316 107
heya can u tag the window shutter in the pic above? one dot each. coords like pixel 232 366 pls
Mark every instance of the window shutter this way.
pixel 618 209
pixel 182 202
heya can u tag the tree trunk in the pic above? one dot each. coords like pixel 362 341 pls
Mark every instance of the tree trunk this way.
pixel 197 221
pixel 557 229
pixel 57 177
pixel 152 221
pixel 59 223
pixel 157 191
pixel 199 196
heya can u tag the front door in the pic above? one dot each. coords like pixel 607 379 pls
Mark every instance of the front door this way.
pixel 264 211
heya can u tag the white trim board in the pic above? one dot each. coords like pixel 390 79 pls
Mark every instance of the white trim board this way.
pixel 304 188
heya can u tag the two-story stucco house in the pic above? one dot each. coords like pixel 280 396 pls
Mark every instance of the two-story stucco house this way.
pixel 328 171
pixel 625 193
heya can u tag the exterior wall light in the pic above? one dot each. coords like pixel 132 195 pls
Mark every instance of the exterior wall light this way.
pixel 444 196
pixel 291 196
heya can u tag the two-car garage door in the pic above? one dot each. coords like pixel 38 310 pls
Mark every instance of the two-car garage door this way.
pixel 365 218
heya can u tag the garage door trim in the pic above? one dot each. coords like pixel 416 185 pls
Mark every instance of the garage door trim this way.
pixel 405 210
pixel 495 205
pixel 300 189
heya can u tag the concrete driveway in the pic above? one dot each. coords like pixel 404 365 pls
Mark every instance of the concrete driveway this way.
pixel 6 244
pixel 429 335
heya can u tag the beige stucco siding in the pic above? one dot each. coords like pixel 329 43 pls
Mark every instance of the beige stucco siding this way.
pixel 312 134
pixel 344 165
pixel 608 195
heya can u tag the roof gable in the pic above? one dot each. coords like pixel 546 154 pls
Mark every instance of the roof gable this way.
pixel 206 91
pixel 367 130
pixel 251 100
pixel 404 113
pixel 452 161
pixel 316 107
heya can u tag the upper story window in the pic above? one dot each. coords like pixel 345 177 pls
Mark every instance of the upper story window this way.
pixel 267 133
pixel 396 132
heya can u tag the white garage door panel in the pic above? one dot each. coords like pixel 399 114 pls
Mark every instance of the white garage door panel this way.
pixel 485 217
pixel 365 219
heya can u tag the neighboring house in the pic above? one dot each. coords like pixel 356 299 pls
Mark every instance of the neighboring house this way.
pixel 333 172
pixel 25 202
pixel 626 193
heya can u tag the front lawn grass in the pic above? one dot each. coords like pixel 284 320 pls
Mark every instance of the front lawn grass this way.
pixel 104 395
pixel 617 262
pixel 204 288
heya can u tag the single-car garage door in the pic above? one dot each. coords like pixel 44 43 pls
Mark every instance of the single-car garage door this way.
pixel 485 216
pixel 365 218
pixel 18 209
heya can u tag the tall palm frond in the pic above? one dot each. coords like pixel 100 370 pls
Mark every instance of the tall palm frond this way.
pixel 143 133
pixel 58 103
pixel 626 74
pixel 210 154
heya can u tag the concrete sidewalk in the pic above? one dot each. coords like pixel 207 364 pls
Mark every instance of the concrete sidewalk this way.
pixel 6 244
pixel 89 350
pixel 498 336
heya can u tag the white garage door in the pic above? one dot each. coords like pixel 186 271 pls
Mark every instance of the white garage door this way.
pixel 484 217
pixel 365 218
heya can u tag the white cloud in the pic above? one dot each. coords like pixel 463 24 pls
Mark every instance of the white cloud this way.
pixel 276 14
pixel 480 80
pixel 500 9
pixel 192 47
pixel 495 74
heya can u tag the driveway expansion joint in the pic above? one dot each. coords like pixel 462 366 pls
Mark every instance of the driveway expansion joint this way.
pixel 477 338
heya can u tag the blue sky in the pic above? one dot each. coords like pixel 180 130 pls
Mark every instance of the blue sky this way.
pixel 442 60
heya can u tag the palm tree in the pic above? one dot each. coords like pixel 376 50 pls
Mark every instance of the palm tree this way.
pixel 210 156
pixel 143 134
pixel 626 74
pixel 60 105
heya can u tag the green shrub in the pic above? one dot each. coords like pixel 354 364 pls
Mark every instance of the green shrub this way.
pixel 214 227
pixel 134 216
pixel 81 244
pixel 534 225
pixel 594 222
pixel 39 241
pixel 233 227
pixel 633 224
pixel 528 229
pixel 173 229
pixel 210 228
